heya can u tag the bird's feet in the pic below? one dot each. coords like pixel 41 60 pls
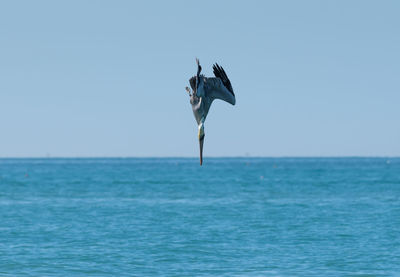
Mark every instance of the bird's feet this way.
pixel 188 91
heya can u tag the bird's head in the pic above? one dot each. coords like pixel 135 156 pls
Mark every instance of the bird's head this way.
pixel 201 141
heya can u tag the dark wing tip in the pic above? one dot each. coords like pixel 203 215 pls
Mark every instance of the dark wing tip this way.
pixel 219 72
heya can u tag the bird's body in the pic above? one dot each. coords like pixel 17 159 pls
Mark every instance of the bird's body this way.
pixel 205 91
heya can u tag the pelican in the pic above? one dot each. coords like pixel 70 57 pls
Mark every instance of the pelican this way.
pixel 204 91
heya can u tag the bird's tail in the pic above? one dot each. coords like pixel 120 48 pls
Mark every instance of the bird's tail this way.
pixel 198 67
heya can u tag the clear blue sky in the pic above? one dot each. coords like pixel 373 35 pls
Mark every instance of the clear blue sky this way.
pixel 107 78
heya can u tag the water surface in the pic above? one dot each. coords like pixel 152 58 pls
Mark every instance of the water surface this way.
pixel 171 217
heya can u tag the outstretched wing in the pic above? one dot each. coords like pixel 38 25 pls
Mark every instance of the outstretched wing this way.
pixel 215 89
pixel 219 87
pixel 219 72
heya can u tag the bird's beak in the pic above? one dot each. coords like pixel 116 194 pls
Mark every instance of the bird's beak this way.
pixel 201 141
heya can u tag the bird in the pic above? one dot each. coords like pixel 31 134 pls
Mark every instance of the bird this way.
pixel 204 91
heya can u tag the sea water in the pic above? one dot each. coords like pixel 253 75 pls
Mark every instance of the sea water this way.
pixel 171 217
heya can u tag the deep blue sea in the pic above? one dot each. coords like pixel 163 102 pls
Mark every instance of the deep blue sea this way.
pixel 171 217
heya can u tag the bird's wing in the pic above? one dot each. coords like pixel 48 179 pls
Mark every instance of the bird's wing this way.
pixel 219 87
pixel 219 72
pixel 192 82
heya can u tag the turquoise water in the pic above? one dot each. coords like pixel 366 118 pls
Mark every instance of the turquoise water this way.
pixel 171 217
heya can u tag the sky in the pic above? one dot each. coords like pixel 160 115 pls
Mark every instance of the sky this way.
pixel 107 78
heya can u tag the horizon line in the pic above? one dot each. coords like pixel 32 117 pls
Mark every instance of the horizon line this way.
pixel 194 157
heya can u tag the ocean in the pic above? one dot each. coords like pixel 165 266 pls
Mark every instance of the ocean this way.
pixel 171 217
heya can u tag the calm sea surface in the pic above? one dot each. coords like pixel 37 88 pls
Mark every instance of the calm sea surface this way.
pixel 171 217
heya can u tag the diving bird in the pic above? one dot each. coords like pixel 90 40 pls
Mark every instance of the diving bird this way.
pixel 204 91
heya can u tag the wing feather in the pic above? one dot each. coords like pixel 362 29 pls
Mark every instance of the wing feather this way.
pixel 215 89
pixel 219 72
pixel 192 82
